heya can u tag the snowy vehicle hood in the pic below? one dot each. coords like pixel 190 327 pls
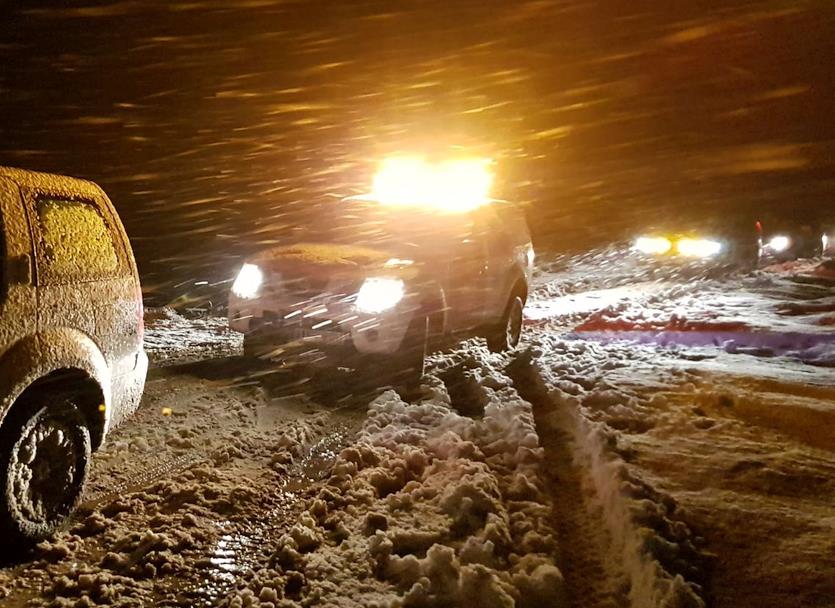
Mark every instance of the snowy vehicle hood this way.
pixel 320 263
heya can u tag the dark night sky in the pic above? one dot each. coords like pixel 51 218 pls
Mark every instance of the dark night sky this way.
pixel 218 127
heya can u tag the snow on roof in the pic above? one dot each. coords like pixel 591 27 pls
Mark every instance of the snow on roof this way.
pixel 48 181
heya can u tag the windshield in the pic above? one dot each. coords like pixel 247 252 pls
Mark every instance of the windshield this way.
pixel 367 223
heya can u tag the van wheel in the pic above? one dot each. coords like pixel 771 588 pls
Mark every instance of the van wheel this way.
pixel 44 460
pixel 507 333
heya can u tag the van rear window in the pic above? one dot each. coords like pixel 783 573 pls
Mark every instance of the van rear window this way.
pixel 77 244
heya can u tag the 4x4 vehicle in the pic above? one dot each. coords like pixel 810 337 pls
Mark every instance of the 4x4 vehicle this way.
pixel 385 281
pixel 782 240
pixel 71 357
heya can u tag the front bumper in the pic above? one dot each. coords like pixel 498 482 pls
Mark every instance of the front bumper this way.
pixel 334 328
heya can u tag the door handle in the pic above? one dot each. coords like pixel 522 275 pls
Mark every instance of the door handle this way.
pixel 19 269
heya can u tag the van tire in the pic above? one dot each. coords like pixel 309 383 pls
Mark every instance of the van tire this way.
pixel 33 439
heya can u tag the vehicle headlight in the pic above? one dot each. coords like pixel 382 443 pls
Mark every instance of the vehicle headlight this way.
pixel 248 281
pixel 652 245
pixel 779 243
pixel 698 248
pixel 826 241
pixel 379 294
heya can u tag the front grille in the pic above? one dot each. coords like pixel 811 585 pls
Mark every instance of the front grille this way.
pixel 278 321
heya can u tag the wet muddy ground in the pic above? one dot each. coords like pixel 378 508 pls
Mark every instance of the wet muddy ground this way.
pixel 206 472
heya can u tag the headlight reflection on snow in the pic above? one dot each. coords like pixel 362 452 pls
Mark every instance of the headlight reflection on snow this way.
pixel 379 294
pixel 248 282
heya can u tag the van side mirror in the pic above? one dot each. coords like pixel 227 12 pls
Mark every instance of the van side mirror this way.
pixel 19 269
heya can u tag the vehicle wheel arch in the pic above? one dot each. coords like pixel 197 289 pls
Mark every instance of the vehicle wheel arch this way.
pixel 519 288
pixel 433 305
pixel 77 384
pixel 34 365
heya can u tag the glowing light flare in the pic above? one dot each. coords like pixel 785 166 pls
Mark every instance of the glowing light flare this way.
pixel 699 248
pixel 779 243
pixel 652 245
pixel 248 282
pixel 379 294
pixel 453 186
pixel 397 262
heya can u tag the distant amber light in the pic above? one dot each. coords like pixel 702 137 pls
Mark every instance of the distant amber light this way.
pixel 699 248
pixel 451 186
pixel 653 245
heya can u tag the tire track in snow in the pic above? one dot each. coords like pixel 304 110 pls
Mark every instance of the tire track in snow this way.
pixel 592 579
pixel 142 479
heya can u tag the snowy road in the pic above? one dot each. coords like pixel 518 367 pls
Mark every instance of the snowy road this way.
pixel 584 470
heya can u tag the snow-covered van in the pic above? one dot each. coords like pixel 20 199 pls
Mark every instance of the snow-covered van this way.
pixel 381 282
pixel 71 358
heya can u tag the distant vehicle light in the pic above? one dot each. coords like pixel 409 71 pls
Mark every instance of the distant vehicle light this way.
pixel 826 242
pixel 453 186
pixel 379 294
pixel 248 282
pixel 779 244
pixel 699 248
pixel 651 245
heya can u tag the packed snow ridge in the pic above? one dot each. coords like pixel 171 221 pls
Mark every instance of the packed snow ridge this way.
pixel 654 547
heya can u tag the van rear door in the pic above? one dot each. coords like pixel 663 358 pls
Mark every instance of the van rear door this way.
pixel 85 276
pixel 18 304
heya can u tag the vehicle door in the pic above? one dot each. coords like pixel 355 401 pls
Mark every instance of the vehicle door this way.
pixel 83 276
pixel 500 261
pixel 466 267
pixel 18 302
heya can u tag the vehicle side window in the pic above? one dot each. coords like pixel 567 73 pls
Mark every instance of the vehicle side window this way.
pixel 498 239
pixel 77 244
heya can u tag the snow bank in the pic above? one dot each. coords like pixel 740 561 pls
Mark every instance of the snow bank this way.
pixel 771 313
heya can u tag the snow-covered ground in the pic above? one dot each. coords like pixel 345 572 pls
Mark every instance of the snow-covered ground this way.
pixel 664 438
pixel 172 339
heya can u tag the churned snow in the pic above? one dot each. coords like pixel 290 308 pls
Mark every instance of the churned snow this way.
pixel 429 507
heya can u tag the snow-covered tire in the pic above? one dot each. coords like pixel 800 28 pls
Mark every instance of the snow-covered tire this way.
pixel 505 335
pixel 44 460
